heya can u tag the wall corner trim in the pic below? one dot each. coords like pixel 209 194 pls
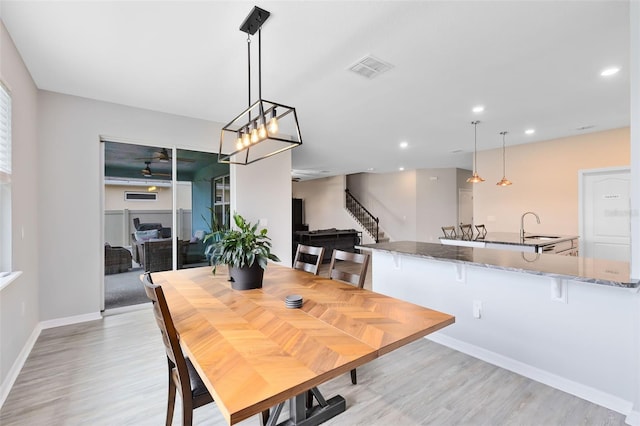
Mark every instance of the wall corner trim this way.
pixel 59 322
pixel 8 382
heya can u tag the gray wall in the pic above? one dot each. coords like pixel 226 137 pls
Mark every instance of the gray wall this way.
pixel 70 129
pixel 19 310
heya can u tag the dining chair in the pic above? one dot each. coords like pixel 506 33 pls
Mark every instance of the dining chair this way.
pixel 466 230
pixel 303 253
pixel 482 231
pixel 356 278
pixel 449 231
pixel 183 377
pixel 362 260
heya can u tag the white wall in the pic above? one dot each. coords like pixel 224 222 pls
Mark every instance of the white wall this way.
pixel 323 201
pixel 545 180
pixel 262 192
pixel 436 202
pixel 19 301
pixel 391 197
pixel 69 162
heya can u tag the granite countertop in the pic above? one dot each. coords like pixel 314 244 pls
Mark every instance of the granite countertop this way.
pixel 514 238
pixel 595 271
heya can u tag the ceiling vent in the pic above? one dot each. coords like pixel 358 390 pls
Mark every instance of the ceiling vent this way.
pixel 370 67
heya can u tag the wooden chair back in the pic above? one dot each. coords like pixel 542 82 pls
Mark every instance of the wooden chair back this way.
pixel 170 336
pixel 482 231
pixel 302 253
pixel 466 230
pixel 353 278
pixel 449 231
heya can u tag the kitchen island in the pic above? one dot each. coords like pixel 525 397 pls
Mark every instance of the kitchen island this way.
pixel 567 321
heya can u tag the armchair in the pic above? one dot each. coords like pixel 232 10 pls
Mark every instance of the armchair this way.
pixel 116 260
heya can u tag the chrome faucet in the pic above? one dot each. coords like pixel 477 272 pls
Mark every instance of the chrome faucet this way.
pixel 522 222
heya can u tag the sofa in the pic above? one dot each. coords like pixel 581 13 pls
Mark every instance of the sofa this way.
pixel 116 259
pixel 156 255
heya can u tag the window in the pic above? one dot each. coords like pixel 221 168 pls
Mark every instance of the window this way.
pixel 5 180
pixel 222 200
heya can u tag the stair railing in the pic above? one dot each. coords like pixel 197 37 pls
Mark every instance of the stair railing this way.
pixel 362 215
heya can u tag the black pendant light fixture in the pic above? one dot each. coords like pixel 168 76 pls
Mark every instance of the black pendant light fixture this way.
pixel 265 128
pixel 504 181
pixel 475 178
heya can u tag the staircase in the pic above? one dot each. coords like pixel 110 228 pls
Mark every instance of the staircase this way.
pixel 368 221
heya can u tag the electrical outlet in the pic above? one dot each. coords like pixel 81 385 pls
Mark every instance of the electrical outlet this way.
pixel 477 309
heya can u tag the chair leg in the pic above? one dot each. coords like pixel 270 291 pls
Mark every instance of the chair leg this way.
pixel 187 415
pixel 171 402
pixel 354 379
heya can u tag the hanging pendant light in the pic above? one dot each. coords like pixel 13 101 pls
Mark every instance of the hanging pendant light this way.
pixel 259 131
pixel 504 181
pixel 475 178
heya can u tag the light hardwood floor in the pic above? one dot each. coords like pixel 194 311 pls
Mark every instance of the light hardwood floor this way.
pixel 113 372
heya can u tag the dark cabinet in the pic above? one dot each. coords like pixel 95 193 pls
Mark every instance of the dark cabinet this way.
pixel 330 239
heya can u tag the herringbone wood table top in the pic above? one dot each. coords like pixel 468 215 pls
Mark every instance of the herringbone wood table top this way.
pixel 253 352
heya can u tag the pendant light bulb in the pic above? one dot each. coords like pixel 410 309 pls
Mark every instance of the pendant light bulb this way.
pixel 475 178
pixel 262 131
pixel 273 123
pixel 504 181
pixel 254 133
pixel 239 144
pixel 246 139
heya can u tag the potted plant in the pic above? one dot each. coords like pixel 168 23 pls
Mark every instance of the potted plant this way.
pixel 246 251
pixel 216 231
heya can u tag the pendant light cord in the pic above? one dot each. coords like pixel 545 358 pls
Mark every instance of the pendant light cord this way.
pixel 475 145
pixel 260 63
pixel 504 162
pixel 249 72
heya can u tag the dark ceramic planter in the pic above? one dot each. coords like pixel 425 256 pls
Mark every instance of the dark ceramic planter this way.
pixel 246 278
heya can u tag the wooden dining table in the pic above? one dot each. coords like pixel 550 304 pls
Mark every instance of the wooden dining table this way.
pixel 254 353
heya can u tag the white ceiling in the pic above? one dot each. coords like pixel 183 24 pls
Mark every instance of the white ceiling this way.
pixel 532 64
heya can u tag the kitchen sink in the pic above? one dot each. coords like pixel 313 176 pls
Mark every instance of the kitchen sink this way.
pixel 541 237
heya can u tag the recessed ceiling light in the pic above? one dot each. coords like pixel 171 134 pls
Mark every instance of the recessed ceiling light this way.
pixel 609 71
pixel 401 169
pixel 478 108
pixel 529 131
pixel 404 144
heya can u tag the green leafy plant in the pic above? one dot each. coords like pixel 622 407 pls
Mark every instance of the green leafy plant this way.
pixel 243 246
pixel 215 229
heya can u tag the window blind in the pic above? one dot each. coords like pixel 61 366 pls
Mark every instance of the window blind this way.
pixel 5 135
pixel 5 180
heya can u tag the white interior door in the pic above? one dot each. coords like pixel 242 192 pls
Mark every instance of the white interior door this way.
pixel 605 207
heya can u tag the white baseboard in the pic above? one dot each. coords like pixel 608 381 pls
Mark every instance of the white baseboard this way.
pixel 59 322
pixel 8 382
pixel 633 418
pixel 580 390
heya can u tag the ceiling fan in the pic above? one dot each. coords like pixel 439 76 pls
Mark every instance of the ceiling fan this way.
pixel 163 156
pixel 146 172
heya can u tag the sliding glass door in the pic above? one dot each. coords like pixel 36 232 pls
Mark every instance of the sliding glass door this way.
pixel 158 205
